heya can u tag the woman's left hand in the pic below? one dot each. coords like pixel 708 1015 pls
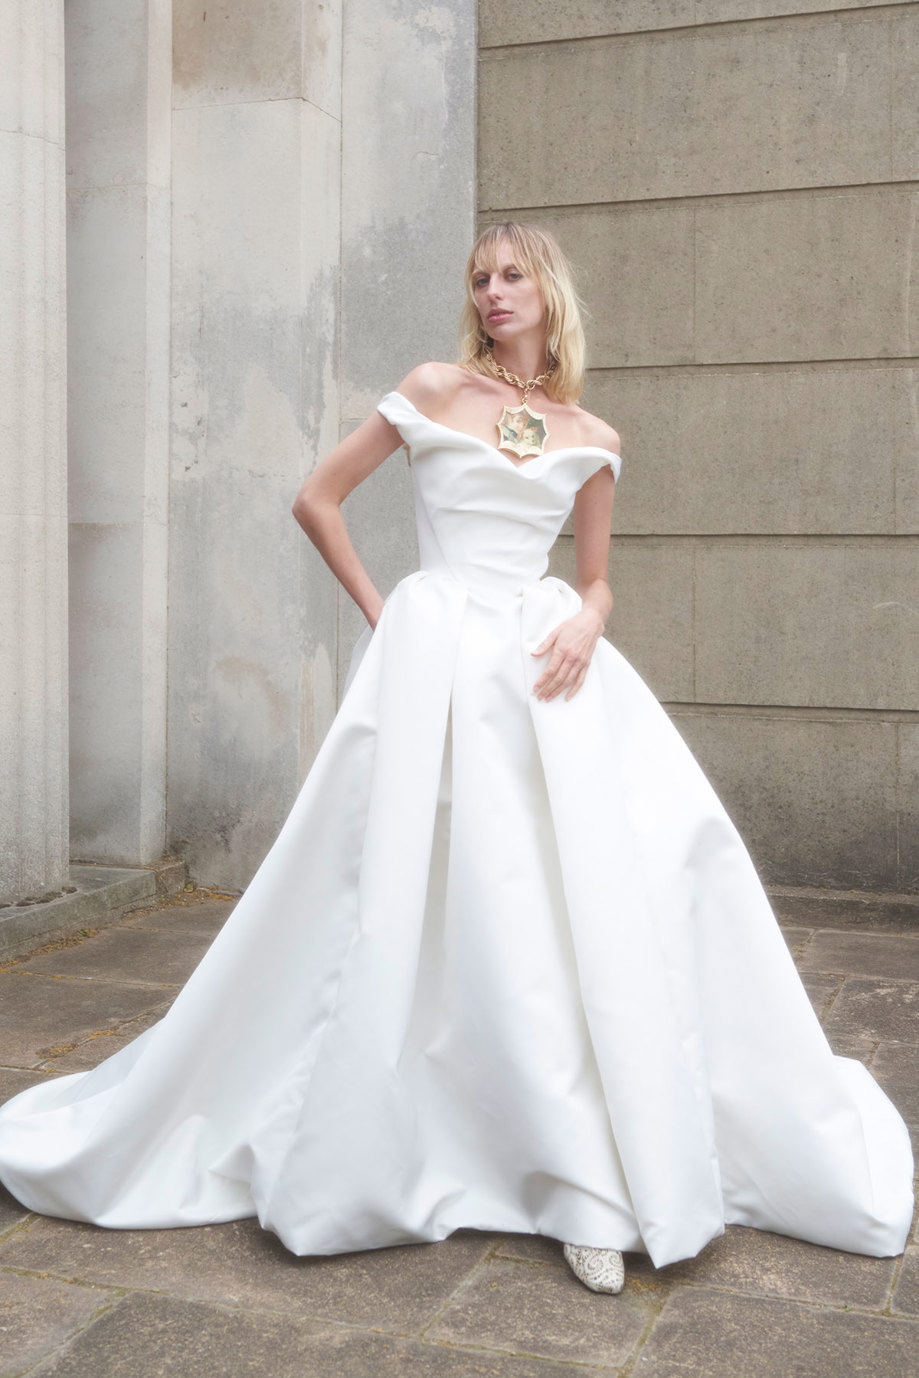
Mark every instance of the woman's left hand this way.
pixel 572 646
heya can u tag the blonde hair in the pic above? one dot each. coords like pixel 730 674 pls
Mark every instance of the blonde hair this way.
pixel 538 255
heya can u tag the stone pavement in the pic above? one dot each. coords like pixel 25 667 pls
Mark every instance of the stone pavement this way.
pixel 228 1300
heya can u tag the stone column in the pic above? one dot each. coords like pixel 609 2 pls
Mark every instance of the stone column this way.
pixel 407 225
pixel 255 267
pixel 119 102
pixel 33 517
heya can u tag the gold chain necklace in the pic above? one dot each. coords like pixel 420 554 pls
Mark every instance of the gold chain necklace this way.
pixel 521 430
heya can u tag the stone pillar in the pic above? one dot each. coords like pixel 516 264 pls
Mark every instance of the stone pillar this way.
pixel 323 173
pixel 252 617
pixel 33 457
pixel 118 186
pixel 408 218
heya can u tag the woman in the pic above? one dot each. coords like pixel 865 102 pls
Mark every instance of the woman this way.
pixel 489 974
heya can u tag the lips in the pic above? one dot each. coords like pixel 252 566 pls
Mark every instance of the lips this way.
pixel 496 316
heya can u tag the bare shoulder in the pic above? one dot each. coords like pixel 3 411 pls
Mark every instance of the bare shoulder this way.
pixel 596 432
pixel 432 386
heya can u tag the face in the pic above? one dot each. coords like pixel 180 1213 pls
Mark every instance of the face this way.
pixel 508 301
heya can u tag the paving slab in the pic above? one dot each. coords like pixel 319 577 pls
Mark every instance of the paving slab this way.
pixel 882 1010
pixel 44 1016
pixel 12 1081
pixel 12 1213
pixel 862 954
pixel 145 1336
pixel 748 1260
pixel 16 1079
pixel 906 1295
pixel 204 918
pixel 796 938
pixel 896 1068
pixel 39 1314
pixel 703 1333
pixel 103 1043
pixel 851 1045
pixel 239 1264
pixel 547 1313
pixel 132 956
pixel 531 1248
pixel 820 989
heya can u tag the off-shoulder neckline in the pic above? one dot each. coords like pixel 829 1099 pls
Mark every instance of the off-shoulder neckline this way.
pixel 477 439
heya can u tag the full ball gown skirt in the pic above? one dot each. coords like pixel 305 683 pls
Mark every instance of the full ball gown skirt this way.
pixel 508 965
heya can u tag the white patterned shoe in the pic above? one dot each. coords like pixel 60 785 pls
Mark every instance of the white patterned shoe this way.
pixel 602 1270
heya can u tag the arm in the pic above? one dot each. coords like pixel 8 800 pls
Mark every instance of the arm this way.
pixel 573 641
pixel 317 506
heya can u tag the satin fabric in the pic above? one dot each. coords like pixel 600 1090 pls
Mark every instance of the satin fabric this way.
pixel 507 966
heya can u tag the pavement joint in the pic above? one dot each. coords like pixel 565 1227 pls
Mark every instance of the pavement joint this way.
pixel 88 980
pixel 463 1285
pixel 818 1304
pixel 830 999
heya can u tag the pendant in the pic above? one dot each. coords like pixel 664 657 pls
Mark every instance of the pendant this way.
pixel 522 431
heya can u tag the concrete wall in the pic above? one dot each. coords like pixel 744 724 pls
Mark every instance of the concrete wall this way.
pixel 118 218
pixel 265 199
pixel 408 222
pixel 737 181
pixel 322 173
pixel 255 249
pixel 33 454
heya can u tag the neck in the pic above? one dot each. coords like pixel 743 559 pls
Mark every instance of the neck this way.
pixel 527 360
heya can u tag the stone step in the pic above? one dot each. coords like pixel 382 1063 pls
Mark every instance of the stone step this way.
pixel 811 907
pixel 99 896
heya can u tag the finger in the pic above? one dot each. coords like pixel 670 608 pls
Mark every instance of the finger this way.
pixel 577 684
pixel 553 679
pixel 570 678
pixel 553 670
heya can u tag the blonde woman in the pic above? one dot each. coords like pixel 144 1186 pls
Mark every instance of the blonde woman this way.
pixel 508 965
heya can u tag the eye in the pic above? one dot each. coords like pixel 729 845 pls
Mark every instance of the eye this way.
pixel 513 274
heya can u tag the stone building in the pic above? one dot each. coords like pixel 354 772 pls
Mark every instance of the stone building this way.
pixel 227 228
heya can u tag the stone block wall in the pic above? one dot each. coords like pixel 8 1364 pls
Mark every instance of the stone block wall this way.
pixel 738 184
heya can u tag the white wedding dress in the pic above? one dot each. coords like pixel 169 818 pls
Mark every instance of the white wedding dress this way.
pixel 508 965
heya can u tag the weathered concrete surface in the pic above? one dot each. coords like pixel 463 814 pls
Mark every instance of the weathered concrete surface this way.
pixel 118 247
pixel 95 897
pixel 734 181
pixel 765 449
pixel 230 1299
pixel 731 280
pixel 255 263
pixel 812 907
pixel 33 452
pixel 537 21
pixel 323 208
pixel 823 101
pixel 408 214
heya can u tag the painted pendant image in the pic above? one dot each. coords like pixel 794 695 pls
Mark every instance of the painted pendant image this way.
pixel 522 431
